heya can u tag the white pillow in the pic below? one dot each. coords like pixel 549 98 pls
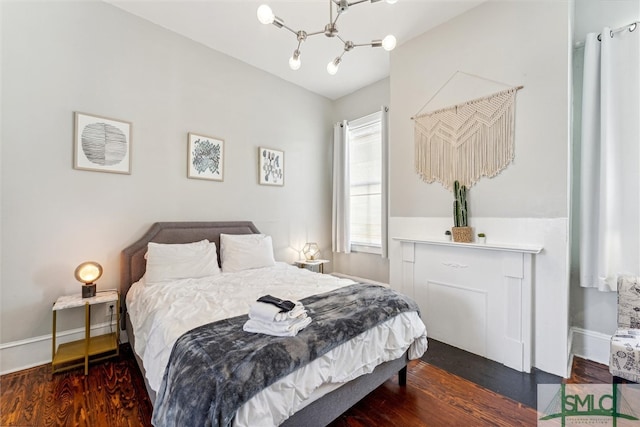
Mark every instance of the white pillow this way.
pixel 172 248
pixel 245 251
pixel 180 261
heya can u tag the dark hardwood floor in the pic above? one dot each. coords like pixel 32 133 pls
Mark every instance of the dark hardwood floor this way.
pixel 113 395
pixel 491 375
pixel 434 397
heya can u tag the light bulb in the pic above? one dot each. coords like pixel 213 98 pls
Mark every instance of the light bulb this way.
pixel 332 67
pixel 294 61
pixel 265 14
pixel 392 1
pixel 389 42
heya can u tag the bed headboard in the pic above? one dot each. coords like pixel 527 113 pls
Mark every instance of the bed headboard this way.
pixel 133 264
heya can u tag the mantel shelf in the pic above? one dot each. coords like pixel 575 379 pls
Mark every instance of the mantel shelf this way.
pixel 531 249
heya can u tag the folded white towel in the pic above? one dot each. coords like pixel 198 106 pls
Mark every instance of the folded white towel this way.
pixel 278 329
pixel 296 312
pixel 270 313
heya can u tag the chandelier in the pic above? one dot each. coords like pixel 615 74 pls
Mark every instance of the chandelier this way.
pixel 266 16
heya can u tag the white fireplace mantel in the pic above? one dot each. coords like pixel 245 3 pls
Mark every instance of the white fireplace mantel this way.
pixel 508 247
pixel 475 296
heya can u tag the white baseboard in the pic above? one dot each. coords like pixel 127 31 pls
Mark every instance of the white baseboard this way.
pixel 590 345
pixel 24 354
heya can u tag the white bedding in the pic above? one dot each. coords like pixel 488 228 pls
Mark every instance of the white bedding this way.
pixel 162 312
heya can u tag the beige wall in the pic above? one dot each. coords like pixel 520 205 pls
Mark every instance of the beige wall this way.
pixel 88 56
pixel 517 43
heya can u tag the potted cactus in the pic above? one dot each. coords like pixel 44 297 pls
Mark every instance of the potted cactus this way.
pixel 482 238
pixel 461 231
pixel 447 235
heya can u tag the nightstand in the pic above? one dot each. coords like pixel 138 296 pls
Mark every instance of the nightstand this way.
pixel 316 265
pixel 91 348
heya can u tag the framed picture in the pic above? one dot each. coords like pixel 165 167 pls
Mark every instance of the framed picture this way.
pixel 206 158
pixel 271 166
pixel 101 144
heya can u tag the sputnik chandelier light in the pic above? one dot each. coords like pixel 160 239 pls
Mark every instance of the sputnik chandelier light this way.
pixel 266 16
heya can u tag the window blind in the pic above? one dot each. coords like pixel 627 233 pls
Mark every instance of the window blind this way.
pixel 365 178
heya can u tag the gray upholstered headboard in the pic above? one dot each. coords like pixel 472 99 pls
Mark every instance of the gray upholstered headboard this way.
pixel 133 264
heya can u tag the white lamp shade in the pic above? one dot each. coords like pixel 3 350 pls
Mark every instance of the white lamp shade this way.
pixel 88 272
pixel 265 14
pixel 389 42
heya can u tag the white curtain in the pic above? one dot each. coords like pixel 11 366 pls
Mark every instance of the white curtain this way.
pixel 610 159
pixel 384 130
pixel 341 194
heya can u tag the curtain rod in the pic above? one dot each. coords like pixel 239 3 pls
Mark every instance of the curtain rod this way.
pixel 631 27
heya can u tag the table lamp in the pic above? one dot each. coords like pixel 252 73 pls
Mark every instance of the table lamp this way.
pixel 311 251
pixel 87 273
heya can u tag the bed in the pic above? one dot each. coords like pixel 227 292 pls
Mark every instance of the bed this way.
pixel 318 403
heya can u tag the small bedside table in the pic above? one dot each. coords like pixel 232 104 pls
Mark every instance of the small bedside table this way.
pixel 89 349
pixel 315 265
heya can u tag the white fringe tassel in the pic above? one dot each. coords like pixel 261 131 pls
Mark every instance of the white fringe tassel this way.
pixel 467 141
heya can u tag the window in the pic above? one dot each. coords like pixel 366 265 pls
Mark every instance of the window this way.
pixel 365 183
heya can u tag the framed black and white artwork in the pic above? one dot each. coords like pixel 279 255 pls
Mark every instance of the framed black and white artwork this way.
pixel 271 166
pixel 205 158
pixel 101 144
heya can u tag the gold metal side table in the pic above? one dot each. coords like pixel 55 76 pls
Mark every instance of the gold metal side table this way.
pixel 92 348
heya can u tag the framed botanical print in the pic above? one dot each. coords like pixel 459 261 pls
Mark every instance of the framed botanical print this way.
pixel 205 158
pixel 271 166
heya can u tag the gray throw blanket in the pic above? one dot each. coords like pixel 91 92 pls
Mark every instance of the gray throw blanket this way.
pixel 215 368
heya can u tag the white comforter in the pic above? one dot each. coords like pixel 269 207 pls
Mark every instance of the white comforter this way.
pixel 161 313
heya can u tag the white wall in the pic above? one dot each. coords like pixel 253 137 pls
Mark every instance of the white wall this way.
pixel 517 43
pixel 61 57
pixel 359 104
pixel 593 313
pixel 84 56
pixel 362 102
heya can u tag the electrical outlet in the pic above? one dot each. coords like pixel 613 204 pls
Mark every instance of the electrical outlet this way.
pixel 110 308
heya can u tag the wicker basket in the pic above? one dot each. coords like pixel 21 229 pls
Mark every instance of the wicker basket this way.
pixel 462 234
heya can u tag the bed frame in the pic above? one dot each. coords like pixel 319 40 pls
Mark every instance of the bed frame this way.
pixel 319 413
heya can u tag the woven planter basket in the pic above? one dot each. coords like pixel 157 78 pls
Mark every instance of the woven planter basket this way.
pixel 462 234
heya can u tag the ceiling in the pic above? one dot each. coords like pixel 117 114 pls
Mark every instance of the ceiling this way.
pixel 231 27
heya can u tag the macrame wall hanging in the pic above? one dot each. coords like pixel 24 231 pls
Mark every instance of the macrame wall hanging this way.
pixel 466 141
